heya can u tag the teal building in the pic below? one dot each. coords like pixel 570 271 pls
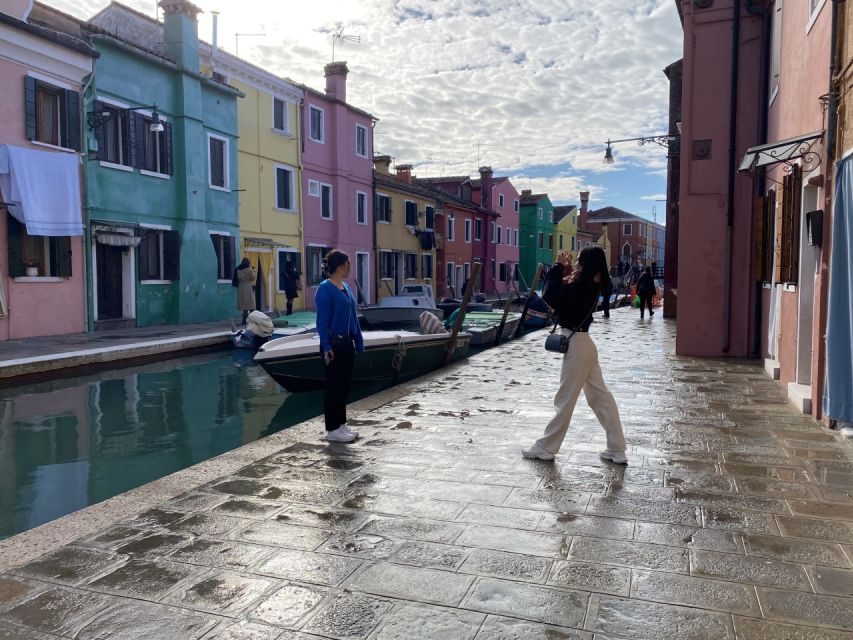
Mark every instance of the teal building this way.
pixel 537 233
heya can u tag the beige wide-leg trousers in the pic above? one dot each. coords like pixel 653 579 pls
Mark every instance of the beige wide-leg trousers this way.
pixel 581 371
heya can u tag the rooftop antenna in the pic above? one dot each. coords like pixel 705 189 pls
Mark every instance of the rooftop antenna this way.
pixel 237 37
pixel 338 38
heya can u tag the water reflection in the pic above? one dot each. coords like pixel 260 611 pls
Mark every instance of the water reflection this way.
pixel 70 443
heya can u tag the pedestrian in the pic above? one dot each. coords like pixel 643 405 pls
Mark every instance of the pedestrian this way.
pixel 291 286
pixel 646 291
pixel 606 292
pixel 244 276
pixel 340 339
pixel 655 272
pixel 574 303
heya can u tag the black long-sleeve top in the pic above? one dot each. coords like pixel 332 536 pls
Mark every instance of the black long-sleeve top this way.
pixel 646 285
pixel 573 301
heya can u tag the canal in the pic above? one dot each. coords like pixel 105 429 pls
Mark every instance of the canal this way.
pixel 70 443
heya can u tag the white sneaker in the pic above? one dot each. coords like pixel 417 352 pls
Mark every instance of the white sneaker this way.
pixel 617 457
pixel 340 435
pixel 349 429
pixel 537 453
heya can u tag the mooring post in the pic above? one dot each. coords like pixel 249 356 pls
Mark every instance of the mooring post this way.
pixel 530 294
pixel 457 325
pixel 507 307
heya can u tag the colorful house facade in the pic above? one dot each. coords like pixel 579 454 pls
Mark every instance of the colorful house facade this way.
pixel 504 201
pixel 42 271
pixel 565 229
pixel 337 182
pixel 269 173
pixel 405 229
pixel 537 234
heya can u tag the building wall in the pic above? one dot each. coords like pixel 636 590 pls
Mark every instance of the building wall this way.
pixel 566 229
pixel 510 221
pixel 530 254
pixel 457 251
pixel 45 306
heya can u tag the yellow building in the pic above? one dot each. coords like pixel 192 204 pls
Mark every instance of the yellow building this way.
pixel 269 173
pixel 565 230
pixel 404 214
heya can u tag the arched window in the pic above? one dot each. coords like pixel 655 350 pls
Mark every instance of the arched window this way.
pixel 626 251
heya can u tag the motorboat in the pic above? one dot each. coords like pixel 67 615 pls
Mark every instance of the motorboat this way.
pixel 449 306
pixel 483 327
pixel 389 356
pixel 404 309
pixel 260 329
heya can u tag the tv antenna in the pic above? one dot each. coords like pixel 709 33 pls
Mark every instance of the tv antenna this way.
pixel 338 38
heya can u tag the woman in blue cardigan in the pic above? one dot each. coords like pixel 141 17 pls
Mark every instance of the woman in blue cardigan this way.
pixel 340 339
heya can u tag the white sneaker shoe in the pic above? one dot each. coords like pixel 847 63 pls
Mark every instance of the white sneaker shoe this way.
pixel 537 453
pixel 349 429
pixel 340 435
pixel 617 457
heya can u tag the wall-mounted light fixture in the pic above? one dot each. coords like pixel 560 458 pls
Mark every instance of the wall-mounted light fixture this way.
pixel 97 119
pixel 670 142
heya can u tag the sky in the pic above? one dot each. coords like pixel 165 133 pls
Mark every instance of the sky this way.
pixel 532 88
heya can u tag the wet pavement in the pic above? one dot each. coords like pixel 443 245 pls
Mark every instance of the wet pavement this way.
pixel 734 519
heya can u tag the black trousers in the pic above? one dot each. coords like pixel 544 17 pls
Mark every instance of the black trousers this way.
pixel 646 301
pixel 290 306
pixel 605 304
pixel 338 377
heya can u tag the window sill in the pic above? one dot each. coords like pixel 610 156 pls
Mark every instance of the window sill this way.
pixel 39 279
pixel 113 165
pixel 358 155
pixel 364 224
pixel 55 147
pixel 222 281
pixel 280 210
pixel 326 218
pixel 790 288
pixel 316 140
pixel 283 133
pixel 156 282
pixel 383 222
pixel 215 188
pixel 154 174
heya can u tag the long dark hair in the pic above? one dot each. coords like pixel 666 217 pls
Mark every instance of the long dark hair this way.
pixel 592 262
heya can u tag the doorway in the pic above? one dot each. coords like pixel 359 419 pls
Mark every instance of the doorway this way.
pixel 805 289
pixel 110 292
pixel 362 275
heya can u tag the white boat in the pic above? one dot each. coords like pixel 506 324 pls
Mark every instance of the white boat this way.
pixel 404 309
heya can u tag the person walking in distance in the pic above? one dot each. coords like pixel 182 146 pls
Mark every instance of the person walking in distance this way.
pixel 606 292
pixel 340 339
pixel 244 276
pixel 574 301
pixel 646 291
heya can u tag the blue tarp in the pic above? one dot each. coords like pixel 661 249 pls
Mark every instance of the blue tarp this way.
pixel 838 392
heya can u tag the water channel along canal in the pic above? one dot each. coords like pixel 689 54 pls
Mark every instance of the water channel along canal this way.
pixel 69 443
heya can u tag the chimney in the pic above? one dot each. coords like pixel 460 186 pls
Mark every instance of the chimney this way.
pixel 526 193
pixel 181 32
pixel 382 164
pixel 336 80
pixel 583 216
pixel 404 173
pixel 214 44
pixel 486 184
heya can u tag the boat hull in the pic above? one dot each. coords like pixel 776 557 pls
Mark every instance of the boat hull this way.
pixel 396 316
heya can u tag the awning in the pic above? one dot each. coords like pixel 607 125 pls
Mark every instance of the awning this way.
pixel 117 239
pixel 781 151
pixel 259 242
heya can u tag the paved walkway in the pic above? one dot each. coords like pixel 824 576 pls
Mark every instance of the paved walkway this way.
pixel 733 520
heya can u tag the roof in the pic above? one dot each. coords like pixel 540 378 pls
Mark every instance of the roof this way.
pixel 563 211
pixel 322 94
pixel 445 179
pixel 443 196
pixel 532 199
pixel 393 183
pixel 47 32
pixel 495 181
pixel 614 214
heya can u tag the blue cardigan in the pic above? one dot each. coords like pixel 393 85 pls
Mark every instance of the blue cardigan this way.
pixel 336 315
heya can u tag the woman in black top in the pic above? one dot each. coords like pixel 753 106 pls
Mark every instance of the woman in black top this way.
pixel 646 291
pixel 574 297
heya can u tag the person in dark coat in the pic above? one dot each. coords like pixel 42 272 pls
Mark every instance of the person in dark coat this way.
pixel 291 290
pixel 606 292
pixel 646 290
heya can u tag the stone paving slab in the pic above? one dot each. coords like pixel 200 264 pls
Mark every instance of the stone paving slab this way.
pixel 734 519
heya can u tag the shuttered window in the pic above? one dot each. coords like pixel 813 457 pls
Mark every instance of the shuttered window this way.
pixel 383 208
pixel 427 265
pixel 284 188
pixel 126 138
pixel 159 254
pixel 429 222
pixel 279 115
pixel 411 265
pixel 50 256
pixel 790 233
pixel 52 114
pixel 411 213
pixel 218 161
pixel 224 246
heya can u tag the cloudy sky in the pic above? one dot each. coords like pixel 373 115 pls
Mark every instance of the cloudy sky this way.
pixel 531 87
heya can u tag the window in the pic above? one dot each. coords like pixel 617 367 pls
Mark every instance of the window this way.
pixel 573 243
pixel 516 237
pixel 509 237
pixel 159 254
pixel 287 259
pixel 314 265
pixel 478 229
pixel 451 227
pixel 561 242
pixel 316 116
pixel 284 191
pixel 50 256
pixel 429 218
pixel 411 213
pixel 426 261
pixel 383 207
pixel 551 216
pixel 493 232
pixel 361 207
pixel 775 50
pixel 541 240
pixel 468 230
pixel 313 188
pixel 114 137
pixel 223 245
pixel 787 263
pixel 361 141
pixel 158 145
pixel 126 139
pixel 515 204
pixel 550 241
pixel 540 213
pixel 500 200
pixel 279 115
pixel 218 162
pixel 504 272
pixel 411 266
pixel 642 231
pixel 326 201
pixel 493 270
pixel 52 115
pixel 499 236
pixel 627 229
pixel 386 264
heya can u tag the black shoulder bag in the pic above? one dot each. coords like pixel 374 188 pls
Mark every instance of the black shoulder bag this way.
pixel 557 342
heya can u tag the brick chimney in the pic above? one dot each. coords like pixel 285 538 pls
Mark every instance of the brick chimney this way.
pixel 404 173
pixel 336 80
pixel 526 193
pixel 382 165
pixel 180 27
pixel 486 184
pixel 583 215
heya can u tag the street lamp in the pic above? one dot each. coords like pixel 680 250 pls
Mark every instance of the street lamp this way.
pixel 670 142
pixel 97 119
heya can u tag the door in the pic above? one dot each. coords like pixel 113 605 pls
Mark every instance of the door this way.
pixel 110 289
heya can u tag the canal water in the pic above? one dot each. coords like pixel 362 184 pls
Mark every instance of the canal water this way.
pixel 70 443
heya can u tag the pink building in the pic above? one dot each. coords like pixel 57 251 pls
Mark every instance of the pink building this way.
pixel 42 279
pixel 337 181
pixel 504 229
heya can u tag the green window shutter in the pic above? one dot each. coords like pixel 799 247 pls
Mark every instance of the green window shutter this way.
pixel 70 117
pixel 135 156
pixel 171 255
pixel 230 253
pixel 167 137
pixel 15 232
pixel 63 256
pixel 30 107
pixel 100 132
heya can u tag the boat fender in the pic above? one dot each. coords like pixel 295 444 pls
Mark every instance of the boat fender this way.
pixel 399 356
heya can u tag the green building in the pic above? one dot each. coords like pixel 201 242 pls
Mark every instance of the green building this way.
pixel 160 183
pixel 537 233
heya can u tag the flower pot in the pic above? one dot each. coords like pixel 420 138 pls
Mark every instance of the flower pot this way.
pixel 32 272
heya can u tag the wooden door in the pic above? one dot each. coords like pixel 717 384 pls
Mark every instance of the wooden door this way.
pixel 110 292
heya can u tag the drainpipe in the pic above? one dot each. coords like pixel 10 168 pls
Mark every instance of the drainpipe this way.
pixel 761 184
pixel 88 291
pixel 730 214
pixel 832 118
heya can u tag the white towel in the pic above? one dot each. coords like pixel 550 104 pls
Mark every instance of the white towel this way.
pixel 44 189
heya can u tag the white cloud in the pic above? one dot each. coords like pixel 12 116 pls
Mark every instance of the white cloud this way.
pixel 654 196
pixel 537 82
